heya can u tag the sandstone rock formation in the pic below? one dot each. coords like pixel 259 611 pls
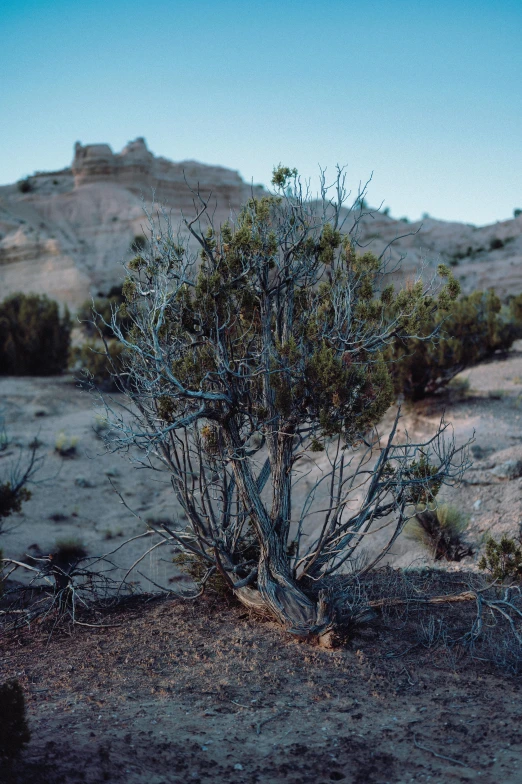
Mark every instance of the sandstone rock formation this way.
pixel 65 233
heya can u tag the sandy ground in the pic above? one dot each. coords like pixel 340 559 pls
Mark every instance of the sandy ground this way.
pixel 76 497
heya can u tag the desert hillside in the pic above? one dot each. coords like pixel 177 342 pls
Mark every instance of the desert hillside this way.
pixel 66 232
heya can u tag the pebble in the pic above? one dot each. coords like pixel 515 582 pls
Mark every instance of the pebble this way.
pixel 82 481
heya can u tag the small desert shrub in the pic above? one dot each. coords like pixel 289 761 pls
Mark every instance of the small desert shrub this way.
pixel 101 426
pixel 497 394
pixel 496 243
pixel 471 330
pixel 65 557
pixel 25 185
pixel 65 446
pixel 91 363
pixel 14 732
pixel 441 531
pixel 11 499
pixel 67 552
pixel 34 338
pixel 517 212
pixel 503 559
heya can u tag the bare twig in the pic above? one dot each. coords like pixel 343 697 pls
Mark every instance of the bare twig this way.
pixel 436 754
pixel 261 724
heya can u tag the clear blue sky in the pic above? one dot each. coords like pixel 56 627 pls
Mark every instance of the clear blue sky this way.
pixel 427 95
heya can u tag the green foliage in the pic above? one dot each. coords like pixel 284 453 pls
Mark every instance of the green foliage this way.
pixel 34 338
pixel 441 530
pixel 516 212
pixel 98 363
pixel 503 560
pixel 281 175
pixel 14 732
pixel 468 331
pixel 311 376
pixel 316 446
pixel 424 485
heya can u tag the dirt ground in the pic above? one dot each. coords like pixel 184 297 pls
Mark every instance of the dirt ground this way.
pixel 179 691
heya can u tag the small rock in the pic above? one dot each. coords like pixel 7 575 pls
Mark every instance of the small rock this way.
pixel 112 472
pixel 238 766
pixel 82 481
pixel 477 504
pixel 511 469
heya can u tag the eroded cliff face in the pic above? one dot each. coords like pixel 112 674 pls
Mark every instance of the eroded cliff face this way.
pixel 67 232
